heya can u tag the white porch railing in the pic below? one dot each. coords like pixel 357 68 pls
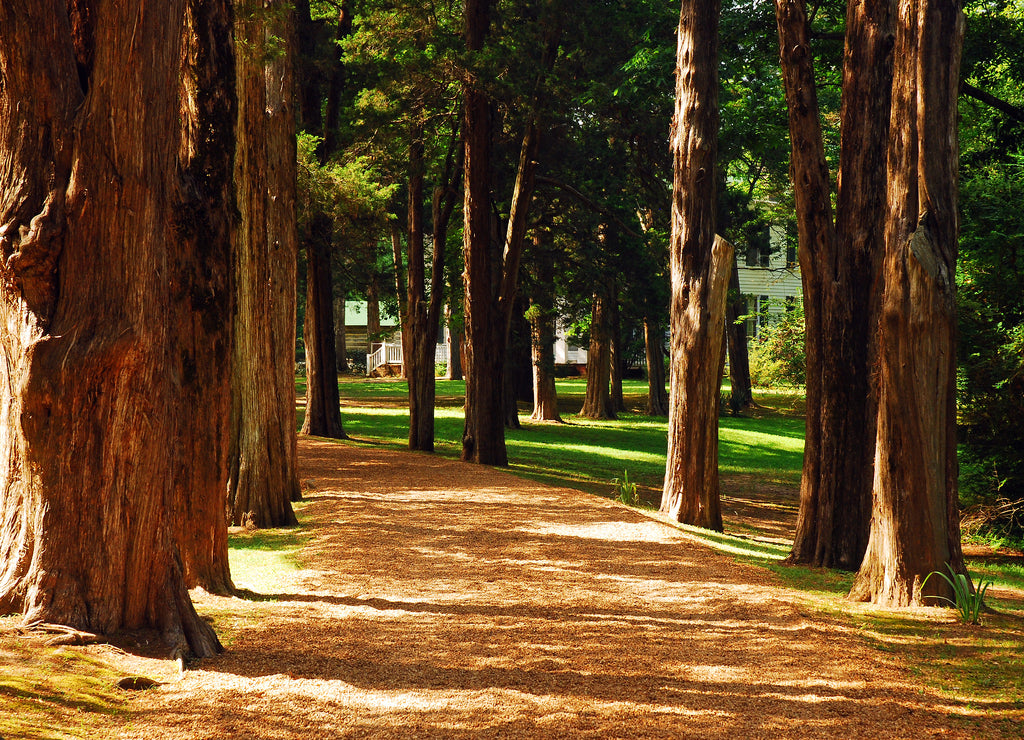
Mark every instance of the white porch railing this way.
pixel 391 354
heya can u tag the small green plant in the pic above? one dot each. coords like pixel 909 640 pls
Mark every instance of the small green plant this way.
pixel 625 490
pixel 967 603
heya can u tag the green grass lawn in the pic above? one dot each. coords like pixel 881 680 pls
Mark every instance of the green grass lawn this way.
pixel 587 453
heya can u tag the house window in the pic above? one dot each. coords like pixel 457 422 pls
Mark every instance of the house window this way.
pixel 790 304
pixel 758 316
pixel 790 257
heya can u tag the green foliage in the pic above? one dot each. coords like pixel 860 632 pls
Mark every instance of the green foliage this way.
pixel 966 601
pixel 625 490
pixel 778 355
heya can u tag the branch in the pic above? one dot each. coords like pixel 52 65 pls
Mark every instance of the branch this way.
pixel 1009 109
pixel 542 180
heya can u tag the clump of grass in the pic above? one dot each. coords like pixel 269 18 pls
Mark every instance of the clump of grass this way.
pixel 625 490
pixel 967 602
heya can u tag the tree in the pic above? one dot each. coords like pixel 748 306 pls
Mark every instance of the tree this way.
pixel 597 404
pixel 838 263
pixel 323 413
pixel 915 523
pixel 491 276
pixel 264 477
pixel 700 265
pixel 542 314
pixel 116 311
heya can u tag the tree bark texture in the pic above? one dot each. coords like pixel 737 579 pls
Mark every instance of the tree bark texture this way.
pixel 116 238
pixel 263 475
pixel 699 270
pixel 741 396
pixel 657 395
pixel 340 335
pixel 483 437
pixel 616 361
pixel 491 277
pixel 323 405
pixel 838 269
pixel 915 527
pixel 542 334
pixel 597 403
pixel 518 364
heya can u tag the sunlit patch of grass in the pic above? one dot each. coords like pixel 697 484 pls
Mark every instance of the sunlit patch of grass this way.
pixel 982 667
pixel 265 560
pixel 53 693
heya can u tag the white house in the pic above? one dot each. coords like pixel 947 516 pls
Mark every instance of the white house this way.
pixel 770 279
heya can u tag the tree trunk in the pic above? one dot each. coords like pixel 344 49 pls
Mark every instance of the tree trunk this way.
pixel 838 268
pixel 741 396
pixel 915 524
pixel 491 279
pixel 699 269
pixel 616 362
pixel 340 335
pixel 263 477
pixel 518 364
pixel 597 403
pixel 373 308
pixel 455 337
pixel 323 405
pixel 657 396
pixel 418 340
pixel 107 468
pixel 542 335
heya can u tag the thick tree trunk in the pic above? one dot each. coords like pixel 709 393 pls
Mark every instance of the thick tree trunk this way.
pixel 597 404
pixel 838 267
pixel 263 476
pixel 657 395
pixel 107 468
pixel 741 396
pixel 542 335
pixel 699 267
pixel 323 406
pixel 915 524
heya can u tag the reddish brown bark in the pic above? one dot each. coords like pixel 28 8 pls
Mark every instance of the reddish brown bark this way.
pixel 116 301
pixel 698 264
pixel 264 479
pixel 657 395
pixel 915 527
pixel 616 361
pixel 597 404
pixel 741 395
pixel 542 333
pixel 838 268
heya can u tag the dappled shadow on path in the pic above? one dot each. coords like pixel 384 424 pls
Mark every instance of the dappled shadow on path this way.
pixel 450 600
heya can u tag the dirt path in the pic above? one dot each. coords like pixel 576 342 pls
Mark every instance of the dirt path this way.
pixel 448 600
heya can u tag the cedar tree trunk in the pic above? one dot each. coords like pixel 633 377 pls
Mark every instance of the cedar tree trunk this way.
pixel 323 406
pixel 616 362
pixel 340 336
pixel 915 524
pixel 657 395
pixel 542 334
pixel 597 404
pixel 699 267
pixel 116 240
pixel 741 396
pixel 838 269
pixel 263 477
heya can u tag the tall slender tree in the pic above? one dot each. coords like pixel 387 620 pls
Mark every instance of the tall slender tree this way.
pixel 264 477
pixel 116 306
pixel 915 522
pixel 700 266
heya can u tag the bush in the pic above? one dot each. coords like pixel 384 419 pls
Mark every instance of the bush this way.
pixel 778 355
